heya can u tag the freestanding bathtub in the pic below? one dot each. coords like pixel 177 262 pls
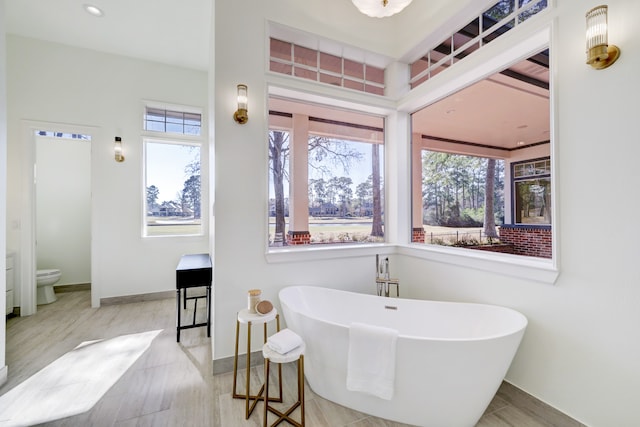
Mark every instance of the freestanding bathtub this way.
pixel 450 357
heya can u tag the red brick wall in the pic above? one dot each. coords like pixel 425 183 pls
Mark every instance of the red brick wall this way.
pixel 417 235
pixel 298 238
pixel 529 241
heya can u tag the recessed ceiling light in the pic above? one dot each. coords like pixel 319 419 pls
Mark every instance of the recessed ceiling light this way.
pixel 93 10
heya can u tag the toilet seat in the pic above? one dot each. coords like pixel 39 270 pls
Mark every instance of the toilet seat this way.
pixel 47 272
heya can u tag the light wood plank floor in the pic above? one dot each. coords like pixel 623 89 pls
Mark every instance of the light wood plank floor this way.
pixel 172 383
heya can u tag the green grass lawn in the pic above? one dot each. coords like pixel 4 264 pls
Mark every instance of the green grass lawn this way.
pixel 169 226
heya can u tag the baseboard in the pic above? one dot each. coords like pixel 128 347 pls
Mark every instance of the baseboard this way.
pixel 153 296
pixel 224 365
pixel 73 287
pixel 530 404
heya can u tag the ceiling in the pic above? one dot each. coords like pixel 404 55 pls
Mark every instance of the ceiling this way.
pixel 169 31
pixel 506 110
pixel 499 111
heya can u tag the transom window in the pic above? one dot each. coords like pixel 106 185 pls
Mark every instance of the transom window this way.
pixel 491 24
pixel 313 64
pixel 180 122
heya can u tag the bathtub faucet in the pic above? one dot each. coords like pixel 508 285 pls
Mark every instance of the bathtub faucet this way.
pixel 383 278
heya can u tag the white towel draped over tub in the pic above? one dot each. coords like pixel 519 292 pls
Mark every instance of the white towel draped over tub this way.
pixel 371 366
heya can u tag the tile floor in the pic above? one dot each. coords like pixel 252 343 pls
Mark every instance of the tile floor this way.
pixel 173 384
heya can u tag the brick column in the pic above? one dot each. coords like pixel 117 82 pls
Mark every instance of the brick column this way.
pixel 417 235
pixel 298 238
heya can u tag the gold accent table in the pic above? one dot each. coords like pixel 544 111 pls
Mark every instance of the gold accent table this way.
pixel 271 356
pixel 250 319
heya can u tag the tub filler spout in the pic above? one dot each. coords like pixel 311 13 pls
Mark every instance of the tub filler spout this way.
pixel 383 278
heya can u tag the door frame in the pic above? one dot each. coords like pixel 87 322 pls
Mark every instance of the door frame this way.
pixel 28 261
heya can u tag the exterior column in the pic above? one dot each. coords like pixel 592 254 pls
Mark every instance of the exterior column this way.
pixel 417 230
pixel 298 192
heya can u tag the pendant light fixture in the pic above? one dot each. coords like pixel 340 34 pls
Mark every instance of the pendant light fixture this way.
pixel 380 8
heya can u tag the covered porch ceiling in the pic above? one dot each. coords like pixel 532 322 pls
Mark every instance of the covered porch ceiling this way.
pixel 508 110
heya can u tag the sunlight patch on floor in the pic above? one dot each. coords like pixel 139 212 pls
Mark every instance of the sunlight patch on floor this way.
pixel 73 383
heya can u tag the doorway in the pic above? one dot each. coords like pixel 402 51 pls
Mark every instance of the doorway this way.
pixel 63 205
pixel 57 207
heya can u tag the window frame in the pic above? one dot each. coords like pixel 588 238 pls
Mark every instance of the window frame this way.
pixel 514 196
pixel 501 53
pixel 177 108
pixel 319 130
pixel 305 92
pixel 174 138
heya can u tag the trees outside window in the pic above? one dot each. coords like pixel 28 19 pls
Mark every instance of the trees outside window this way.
pixel 325 176
pixel 463 197
pixel 173 189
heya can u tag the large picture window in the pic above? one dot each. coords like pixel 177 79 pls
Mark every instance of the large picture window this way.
pixel 326 175
pixel 468 145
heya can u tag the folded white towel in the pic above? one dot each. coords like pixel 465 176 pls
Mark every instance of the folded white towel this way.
pixel 371 364
pixel 284 341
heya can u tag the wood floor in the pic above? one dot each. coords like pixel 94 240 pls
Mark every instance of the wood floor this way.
pixel 172 384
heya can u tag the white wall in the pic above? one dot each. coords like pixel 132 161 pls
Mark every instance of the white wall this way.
pixel 60 84
pixel 3 186
pixel 63 205
pixel 241 198
pixel 580 350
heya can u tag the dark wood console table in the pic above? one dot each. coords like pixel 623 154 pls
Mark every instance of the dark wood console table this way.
pixel 193 271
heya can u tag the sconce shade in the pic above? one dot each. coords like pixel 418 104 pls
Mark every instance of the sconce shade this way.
pixel 118 149
pixel 241 115
pixel 599 54
pixel 380 8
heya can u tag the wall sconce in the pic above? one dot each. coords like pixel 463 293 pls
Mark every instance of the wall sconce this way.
pixel 240 115
pixel 599 53
pixel 118 149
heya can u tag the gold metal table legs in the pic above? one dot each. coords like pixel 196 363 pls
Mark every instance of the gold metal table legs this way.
pixel 252 400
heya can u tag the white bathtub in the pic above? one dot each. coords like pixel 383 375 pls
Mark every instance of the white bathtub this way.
pixel 450 357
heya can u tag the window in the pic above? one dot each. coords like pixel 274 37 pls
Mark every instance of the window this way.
pixel 455 195
pixel 467 145
pixel 64 135
pixel 491 24
pixel 326 181
pixel 313 64
pixel 172 180
pixel 173 189
pixel 532 192
pixel 163 120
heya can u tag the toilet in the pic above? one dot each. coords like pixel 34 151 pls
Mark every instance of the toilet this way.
pixel 45 279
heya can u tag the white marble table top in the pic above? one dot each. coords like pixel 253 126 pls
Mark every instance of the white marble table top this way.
pixel 245 316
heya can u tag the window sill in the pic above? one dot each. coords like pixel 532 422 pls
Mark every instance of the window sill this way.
pixel 528 268
pixel 322 252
